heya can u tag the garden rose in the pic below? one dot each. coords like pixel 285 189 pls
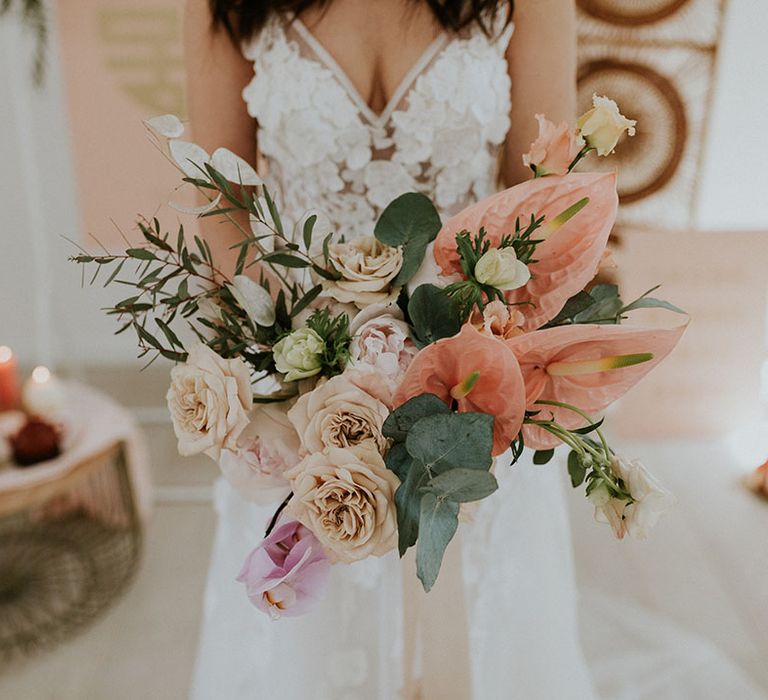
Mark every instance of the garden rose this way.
pixel 265 450
pixel 338 413
pixel 499 320
pixel 500 268
pixel 210 400
pixel 254 300
pixel 554 149
pixel 367 268
pixel 603 125
pixel 297 355
pixel 381 342
pixel 347 498
pixel 286 574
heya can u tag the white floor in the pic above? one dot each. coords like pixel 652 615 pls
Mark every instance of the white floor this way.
pixel 144 647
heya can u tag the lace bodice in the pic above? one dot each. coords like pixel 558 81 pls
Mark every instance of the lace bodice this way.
pixel 324 147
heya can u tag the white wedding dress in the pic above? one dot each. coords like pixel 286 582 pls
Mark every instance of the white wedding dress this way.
pixel 440 134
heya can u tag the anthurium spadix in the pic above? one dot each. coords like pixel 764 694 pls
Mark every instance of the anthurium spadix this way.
pixel 587 366
pixel 567 258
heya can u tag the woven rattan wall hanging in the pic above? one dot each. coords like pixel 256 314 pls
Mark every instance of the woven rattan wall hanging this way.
pixel 659 57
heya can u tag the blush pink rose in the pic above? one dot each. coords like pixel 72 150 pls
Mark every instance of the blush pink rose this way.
pixel 287 573
pixel 554 149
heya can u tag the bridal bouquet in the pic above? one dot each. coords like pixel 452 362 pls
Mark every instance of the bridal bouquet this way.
pixel 371 386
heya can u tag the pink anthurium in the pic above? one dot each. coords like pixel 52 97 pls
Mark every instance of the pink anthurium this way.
pixel 586 366
pixel 477 371
pixel 567 259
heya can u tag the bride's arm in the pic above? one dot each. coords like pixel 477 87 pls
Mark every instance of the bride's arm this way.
pixel 217 72
pixel 542 67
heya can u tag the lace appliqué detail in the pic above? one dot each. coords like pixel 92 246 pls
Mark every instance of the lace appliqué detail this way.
pixel 323 146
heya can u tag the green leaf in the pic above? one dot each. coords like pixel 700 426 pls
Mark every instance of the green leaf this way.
pixel 576 304
pixel 402 419
pixel 309 224
pixel 452 441
pixel 140 253
pixel 408 505
pixel 434 315
pixel 543 456
pixel 438 521
pixel 410 221
pixel 306 300
pixel 587 429
pixel 398 460
pixel 286 260
pixel 463 485
pixel 651 303
pixel 576 469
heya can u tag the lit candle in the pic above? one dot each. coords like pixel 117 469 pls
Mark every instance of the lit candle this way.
pixel 43 394
pixel 9 380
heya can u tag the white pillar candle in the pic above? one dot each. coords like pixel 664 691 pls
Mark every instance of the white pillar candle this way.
pixel 43 393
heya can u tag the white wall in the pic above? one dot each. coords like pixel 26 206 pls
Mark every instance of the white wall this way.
pixel 47 318
pixel 734 185
pixel 44 314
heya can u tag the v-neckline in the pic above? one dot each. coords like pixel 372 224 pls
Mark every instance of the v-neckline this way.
pixel 325 57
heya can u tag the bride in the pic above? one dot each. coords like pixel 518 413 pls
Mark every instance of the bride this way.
pixel 345 105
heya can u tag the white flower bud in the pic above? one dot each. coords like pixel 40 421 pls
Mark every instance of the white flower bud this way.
pixel 500 268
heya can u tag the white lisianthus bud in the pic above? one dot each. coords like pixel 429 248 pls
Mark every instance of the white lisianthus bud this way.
pixel 500 268
pixel 602 125
pixel 254 300
pixel 298 354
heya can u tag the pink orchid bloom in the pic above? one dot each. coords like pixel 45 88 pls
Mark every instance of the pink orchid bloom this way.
pixel 287 573
pixel 476 370
pixel 587 366
pixel 567 259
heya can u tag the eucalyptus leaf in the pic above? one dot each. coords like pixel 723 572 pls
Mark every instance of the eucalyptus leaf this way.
pixel 463 485
pixel 402 419
pixel 408 505
pixel 410 221
pixel 433 313
pixel 398 460
pixel 438 521
pixel 651 303
pixel 452 441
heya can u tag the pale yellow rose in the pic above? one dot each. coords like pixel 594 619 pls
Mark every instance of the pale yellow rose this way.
pixel 367 269
pixel 602 125
pixel 500 268
pixel 210 400
pixel 338 413
pixel 347 498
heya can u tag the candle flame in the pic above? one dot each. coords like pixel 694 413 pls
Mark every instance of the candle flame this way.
pixel 41 375
pixel 6 354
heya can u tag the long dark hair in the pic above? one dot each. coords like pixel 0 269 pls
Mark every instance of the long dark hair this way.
pixel 242 18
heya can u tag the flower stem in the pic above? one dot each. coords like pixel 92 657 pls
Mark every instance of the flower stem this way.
pixel 276 516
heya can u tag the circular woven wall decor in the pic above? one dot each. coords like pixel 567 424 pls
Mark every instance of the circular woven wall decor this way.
pixel 631 12
pixel 648 160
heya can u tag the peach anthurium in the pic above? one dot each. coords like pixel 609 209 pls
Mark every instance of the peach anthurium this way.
pixel 587 366
pixel 569 256
pixel 477 371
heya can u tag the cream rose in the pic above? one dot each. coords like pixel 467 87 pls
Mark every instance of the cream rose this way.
pixel 338 413
pixel 367 268
pixel 210 400
pixel 347 498
pixel 297 356
pixel 381 342
pixel 500 268
pixel 265 450
pixel 602 125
